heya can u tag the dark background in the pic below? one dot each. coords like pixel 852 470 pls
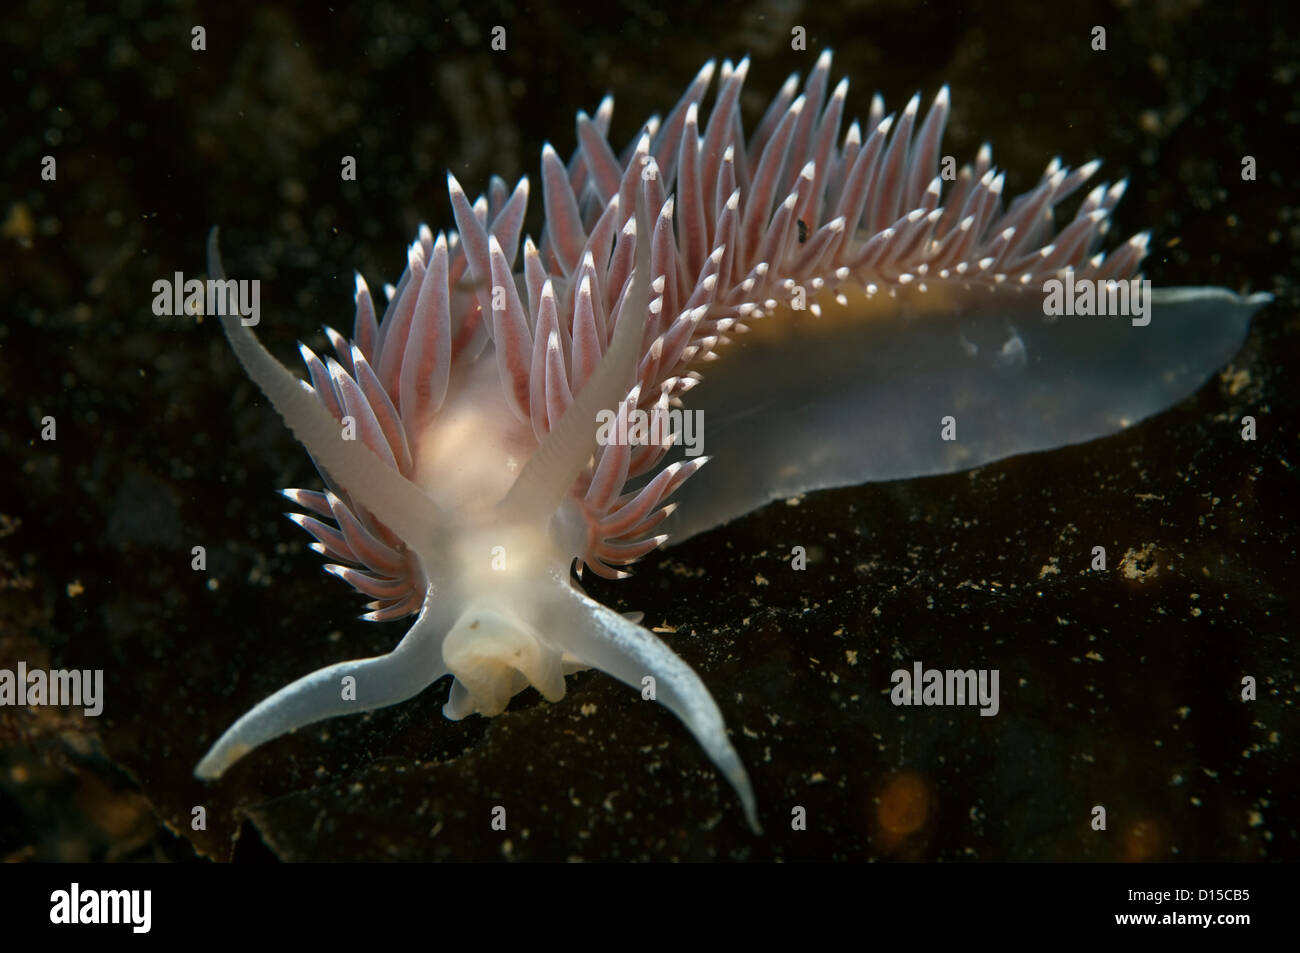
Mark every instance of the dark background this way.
pixel 1118 688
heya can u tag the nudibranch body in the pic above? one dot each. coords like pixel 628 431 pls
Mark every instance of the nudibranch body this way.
pixel 870 297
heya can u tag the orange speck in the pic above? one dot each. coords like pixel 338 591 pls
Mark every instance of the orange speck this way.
pixel 1143 840
pixel 904 804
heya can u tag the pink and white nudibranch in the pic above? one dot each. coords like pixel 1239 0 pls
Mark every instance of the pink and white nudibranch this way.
pixel 869 300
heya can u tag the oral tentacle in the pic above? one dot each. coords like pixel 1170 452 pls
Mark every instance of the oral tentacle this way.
pixel 381 681
pixel 606 640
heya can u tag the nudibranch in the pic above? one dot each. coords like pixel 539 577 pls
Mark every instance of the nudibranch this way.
pixel 867 294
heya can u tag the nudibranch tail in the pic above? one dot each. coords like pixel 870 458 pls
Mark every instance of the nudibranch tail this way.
pixel 1011 382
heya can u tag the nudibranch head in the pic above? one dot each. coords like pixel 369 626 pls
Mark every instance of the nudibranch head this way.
pixel 458 434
